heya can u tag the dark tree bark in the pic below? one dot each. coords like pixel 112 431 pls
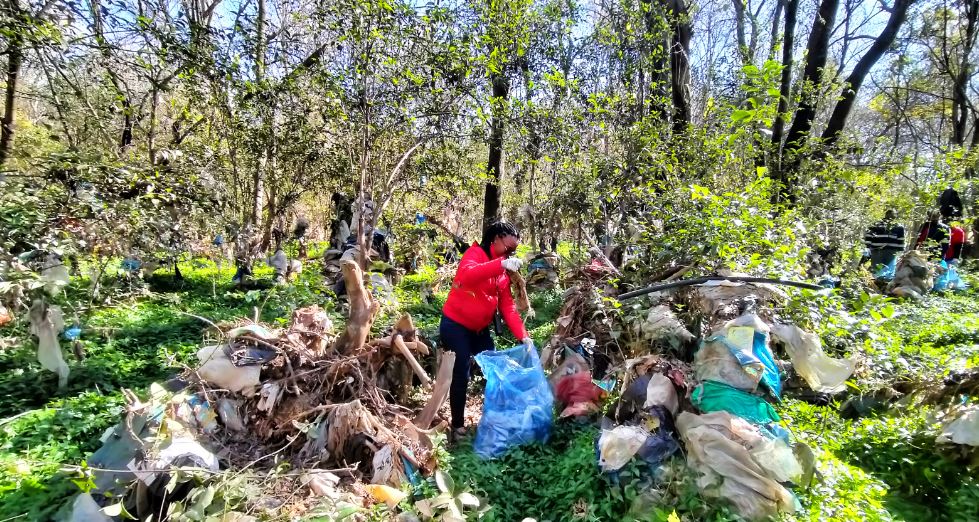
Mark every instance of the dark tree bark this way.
pixel 817 52
pixel 785 88
pixel 15 57
pixel 960 102
pixel 739 31
pixel 494 167
pixel 841 112
pixel 779 7
pixel 126 139
pixel 680 63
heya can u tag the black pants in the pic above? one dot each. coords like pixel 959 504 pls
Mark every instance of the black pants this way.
pixel 465 343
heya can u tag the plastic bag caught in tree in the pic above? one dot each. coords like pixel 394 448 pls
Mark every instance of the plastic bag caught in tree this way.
pixel 46 323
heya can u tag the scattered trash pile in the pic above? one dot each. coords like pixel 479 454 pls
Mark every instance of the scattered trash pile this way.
pixel 915 276
pixel 263 399
pixel 719 408
pixel 542 271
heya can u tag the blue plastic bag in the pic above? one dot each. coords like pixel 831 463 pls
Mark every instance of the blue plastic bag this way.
pixel 759 354
pixel 949 279
pixel 886 272
pixel 518 406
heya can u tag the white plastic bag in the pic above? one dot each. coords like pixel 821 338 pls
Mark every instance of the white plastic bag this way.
pixel 217 369
pixel 660 392
pixel 963 429
pixel 823 373
pixel 618 445
pixel 46 323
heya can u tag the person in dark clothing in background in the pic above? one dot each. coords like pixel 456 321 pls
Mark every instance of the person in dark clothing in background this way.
pixel 933 236
pixel 950 204
pixel 884 241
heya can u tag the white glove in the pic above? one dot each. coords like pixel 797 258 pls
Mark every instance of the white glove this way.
pixel 528 342
pixel 512 264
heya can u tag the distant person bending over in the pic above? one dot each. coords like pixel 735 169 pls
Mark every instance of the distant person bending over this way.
pixel 884 240
pixel 480 288
pixel 933 236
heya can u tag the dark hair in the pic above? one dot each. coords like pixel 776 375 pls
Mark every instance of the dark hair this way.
pixel 495 230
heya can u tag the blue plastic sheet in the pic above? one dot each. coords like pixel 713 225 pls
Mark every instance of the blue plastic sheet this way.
pixel 518 406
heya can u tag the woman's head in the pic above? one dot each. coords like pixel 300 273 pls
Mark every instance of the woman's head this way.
pixel 500 239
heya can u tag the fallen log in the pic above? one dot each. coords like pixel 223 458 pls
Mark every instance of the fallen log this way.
pixel 443 380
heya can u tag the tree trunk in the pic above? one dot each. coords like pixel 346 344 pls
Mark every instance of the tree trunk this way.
pixel 739 31
pixel 960 101
pixel 852 85
pixel 258 176
pixel 785 88
pixel 776 17
pixel 494 167
pixel 15 57
pixel 363 310
pixel 817 52
pixel 680 64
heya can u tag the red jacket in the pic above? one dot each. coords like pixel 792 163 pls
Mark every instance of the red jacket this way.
pixel 955 244
pixel 480 286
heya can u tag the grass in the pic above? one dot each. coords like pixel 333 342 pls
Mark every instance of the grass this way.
pixel 879 468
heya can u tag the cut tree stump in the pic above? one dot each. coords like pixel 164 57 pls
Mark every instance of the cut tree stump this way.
pixel 440 392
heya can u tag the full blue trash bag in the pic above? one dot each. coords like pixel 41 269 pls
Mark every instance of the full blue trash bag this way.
pixel 518 407
pixel 886 272
pixel 949 279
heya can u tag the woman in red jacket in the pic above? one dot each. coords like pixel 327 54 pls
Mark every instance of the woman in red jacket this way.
pixel 480 288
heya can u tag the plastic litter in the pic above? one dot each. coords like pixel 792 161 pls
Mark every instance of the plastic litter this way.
pixel 54 274
pixel 270 392
pixel 913 277
pixel 947 278
pixel 886 272
pixel 750 335
pixel 660 392
pixel 182 451
pixel 661 443
pixel 196 411
pixel 251 330
pixel 662 325
pixel 228 413
pixel 823 373
pixel 72 333
pixel 617 446
pixel 712 396
pixel 217 369
pixel 381 493
pixel 387 467
pixel 715 362
pixel 727 468
pixel 47 321
pixel 578 389
pixel 518 403
pixel 85 509
pixel 963 429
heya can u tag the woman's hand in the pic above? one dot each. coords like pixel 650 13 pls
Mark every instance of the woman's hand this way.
pixel 528 342
pixel 512 264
